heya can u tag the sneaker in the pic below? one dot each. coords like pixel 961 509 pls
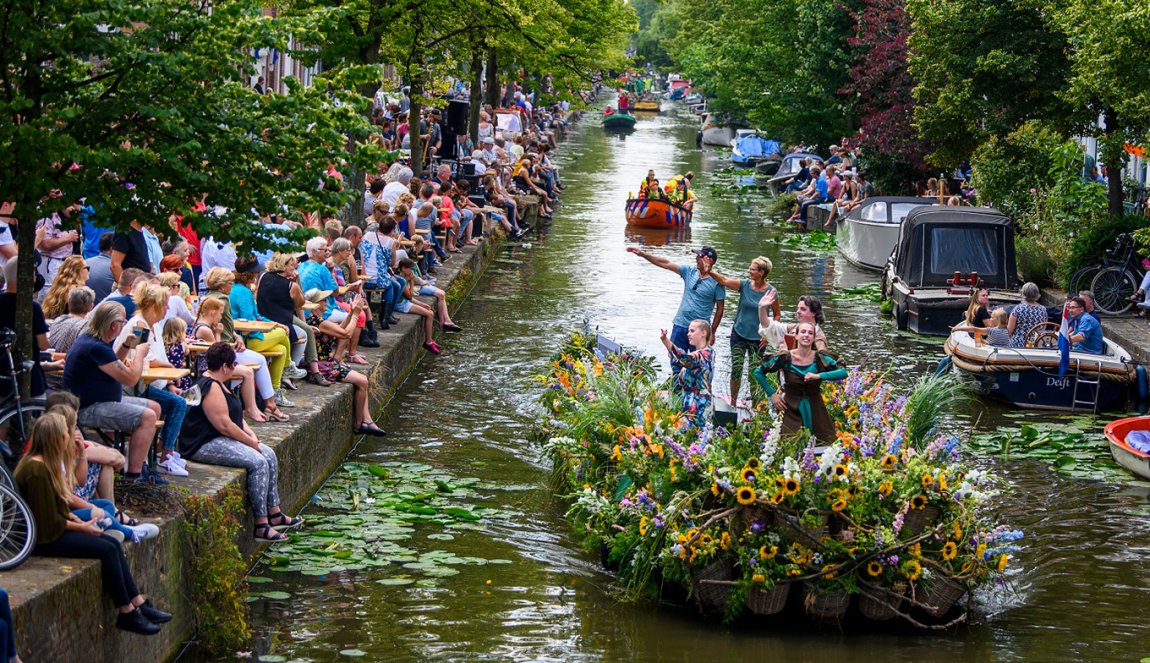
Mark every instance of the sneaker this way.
pixel 294 372
pixel 136 622
pixel 115 534
pixel 176 458
pixel 144 532
pixel 282 400
pixel 172 467
pixel 148 477
pixel 317 379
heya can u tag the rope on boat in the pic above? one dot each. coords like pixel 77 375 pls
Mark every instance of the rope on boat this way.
pixel 1024 363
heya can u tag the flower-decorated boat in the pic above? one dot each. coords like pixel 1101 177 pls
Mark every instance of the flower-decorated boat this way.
pixel 619 120
pixel 742 520
pixel 1028 377
pixel 649 105
pixel 1129 446
pixel 656 213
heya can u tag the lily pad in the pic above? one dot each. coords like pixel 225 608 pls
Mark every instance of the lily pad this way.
pixel 279 596
pixel 398 581
pixel 440 536
pixel 354 653
pixel 256 580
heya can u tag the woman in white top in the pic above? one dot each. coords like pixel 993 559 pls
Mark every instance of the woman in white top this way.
pixel 177 306
pixel 775 334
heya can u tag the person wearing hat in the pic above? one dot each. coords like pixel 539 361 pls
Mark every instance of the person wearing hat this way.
pixel 681 195
pixel 702 294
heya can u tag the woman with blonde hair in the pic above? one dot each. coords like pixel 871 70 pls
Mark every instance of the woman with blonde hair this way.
pixel 279 298
pixel 177 304
pixel 745 346
pixel 73 272
pixel 60 533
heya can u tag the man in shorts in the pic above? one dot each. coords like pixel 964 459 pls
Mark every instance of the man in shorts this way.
pixel 96 374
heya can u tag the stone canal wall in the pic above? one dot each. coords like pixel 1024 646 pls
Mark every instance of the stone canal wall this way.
pixel 60 609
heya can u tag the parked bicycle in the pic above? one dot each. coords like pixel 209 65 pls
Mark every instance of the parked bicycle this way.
pixel 17 527
pixel 1113 280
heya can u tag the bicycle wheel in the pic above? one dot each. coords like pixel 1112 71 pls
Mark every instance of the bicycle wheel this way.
pixel 17 529
pixel 1112 286
pixel 1082 279
pixel 15 431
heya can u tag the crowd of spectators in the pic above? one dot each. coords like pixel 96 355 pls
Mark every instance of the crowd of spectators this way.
pixel 139 342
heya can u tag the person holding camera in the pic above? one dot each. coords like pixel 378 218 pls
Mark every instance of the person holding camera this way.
pixel 97 374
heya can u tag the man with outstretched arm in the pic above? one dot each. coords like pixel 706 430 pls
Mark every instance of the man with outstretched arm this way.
pixel 701 293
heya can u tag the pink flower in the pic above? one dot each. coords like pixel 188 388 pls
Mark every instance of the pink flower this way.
pixel 1033 191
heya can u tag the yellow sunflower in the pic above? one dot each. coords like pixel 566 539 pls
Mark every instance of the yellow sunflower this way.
pixel 912 570
pixel 753 463
pixel 715 489
pixel 967 567
pixel 643 526
pixel 918 502
pixel 885 488
pixel 745 495
pixel 758 578
pixel 957 531
pixel 705 539
pixel 839 470
pixel 853 490
pixel 927 481
pixel 916 550
pixel 838 505
pixel 949 551
pixel 873 569
pixel 747 474
pixel 831 574
pixel 980 553
pixel 791 486
pixel 778 497
pixel 1002 563
pixel 889 461
pixel 725 540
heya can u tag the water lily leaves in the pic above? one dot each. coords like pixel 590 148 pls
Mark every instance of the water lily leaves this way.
pixel 354 653
pixel 258 580
pixel 1065 463
pixel 279 596
pixel 397 581
pixel 440 536
pixel 461 513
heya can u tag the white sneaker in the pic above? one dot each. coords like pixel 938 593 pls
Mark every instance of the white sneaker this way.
pixel 145 531
pixel 172 467
pixel 282 400
pixel 176 458
pixel 294 372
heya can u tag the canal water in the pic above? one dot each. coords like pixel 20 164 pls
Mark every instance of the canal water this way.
pixel 528 592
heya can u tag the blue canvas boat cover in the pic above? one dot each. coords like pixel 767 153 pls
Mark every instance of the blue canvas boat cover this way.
pixel 757 146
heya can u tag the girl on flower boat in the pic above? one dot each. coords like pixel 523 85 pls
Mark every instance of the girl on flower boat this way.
pixel 693 382
pixel 800 397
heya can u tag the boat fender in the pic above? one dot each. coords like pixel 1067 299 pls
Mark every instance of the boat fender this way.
pixel 943 366
pixel 1143 381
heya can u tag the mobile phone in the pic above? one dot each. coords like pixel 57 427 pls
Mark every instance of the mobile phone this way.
pixel 144 334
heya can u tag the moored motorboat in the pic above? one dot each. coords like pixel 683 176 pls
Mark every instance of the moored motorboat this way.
pixel 655 213
pixel 942 256
pixel 1028 377
pixel 1126 449
pixel 788 168
pixel 750 148
pixel 868 233
pixel 714 133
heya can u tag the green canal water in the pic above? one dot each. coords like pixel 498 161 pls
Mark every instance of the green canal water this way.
pixel 519 588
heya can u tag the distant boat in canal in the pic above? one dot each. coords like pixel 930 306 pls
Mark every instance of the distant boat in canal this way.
pixel 1028 377
pixel 749 148
pixel 618 120
pixel 655 213
pixel 867 235
pixel 942 256
pixel 1128 437
pixel 714 133
pixel 788 168
pixel 646 106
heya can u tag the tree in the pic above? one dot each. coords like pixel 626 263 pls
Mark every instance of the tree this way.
pixel 982 68
pixel 1109 40
pixel 144 108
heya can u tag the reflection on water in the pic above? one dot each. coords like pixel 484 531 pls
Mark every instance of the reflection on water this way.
pixel 1076 594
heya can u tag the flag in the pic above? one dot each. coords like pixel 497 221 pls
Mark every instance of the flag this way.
pixel 1064 344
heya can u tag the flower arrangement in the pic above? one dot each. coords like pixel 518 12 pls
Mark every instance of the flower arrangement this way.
pixel 739 516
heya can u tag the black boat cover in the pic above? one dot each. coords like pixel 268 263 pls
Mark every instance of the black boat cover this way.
pixel 936 242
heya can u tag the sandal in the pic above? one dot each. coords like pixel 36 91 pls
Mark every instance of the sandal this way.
pixel 369 429
pixel 126 520
pixel 284 521
pixel 277 415
pixel 265 532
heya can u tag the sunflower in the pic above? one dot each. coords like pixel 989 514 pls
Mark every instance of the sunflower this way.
pixel 918 502
pixel 715 489
pixel 745 495
pixel 643 526
pixel 753 463
pixel 1002 563
pixel 885 488
pixel 927 481
pixel 778 497
pixel 839 470
pixel 838 505
pixel 831 574
pixel 967 567
pixel 874 569
pixel 957 531
pixel 725 540
pixel 980 554
pixel 794 572
pixel 747 474
pixel 912 570
pixel 915 550
pixel 763 552
pixel 759 578
pixel 942 482
pixel 949 551
pixel 791 486
pixel 853 490
pixel 889 461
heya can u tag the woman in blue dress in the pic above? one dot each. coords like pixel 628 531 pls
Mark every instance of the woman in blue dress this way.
pixel 693 382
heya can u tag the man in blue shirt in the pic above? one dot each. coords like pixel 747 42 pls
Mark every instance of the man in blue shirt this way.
pixel 702 294
pixel 1085 332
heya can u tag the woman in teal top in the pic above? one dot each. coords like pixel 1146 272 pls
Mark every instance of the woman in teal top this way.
pixel 803 371
pixel 745 345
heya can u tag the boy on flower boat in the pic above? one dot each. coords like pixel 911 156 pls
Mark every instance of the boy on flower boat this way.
pixel 800 396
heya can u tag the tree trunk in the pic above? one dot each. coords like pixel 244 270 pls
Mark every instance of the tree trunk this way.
pixel 25 274
pixel 413 122
pixel 492 92
pixel 476 94
pixel 1112 157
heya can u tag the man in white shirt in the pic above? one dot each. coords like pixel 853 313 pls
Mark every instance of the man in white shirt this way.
pixel 396 188
pixel 216 254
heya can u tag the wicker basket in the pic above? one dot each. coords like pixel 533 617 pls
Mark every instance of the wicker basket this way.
pixel 751 513
pixel 712 597
pixel 806 535
pixel 826 605
pixel 768 601
pixel 919 519
pixel 879 604
pixel 941 595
